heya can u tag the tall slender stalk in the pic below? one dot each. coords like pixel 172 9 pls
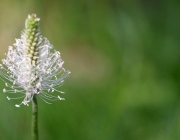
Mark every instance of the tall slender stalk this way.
pixel 34 119
pixel 32 65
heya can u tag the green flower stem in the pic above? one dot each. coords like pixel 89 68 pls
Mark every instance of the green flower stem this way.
pixel 34 119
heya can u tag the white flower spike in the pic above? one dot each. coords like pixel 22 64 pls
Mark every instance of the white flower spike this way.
pixel 31 67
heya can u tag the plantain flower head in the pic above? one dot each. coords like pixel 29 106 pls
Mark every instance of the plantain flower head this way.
pixel 32 67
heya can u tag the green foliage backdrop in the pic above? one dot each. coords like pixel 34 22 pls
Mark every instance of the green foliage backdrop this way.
pixel 125 63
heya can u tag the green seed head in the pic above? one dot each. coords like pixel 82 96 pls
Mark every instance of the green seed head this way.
pixel 32 38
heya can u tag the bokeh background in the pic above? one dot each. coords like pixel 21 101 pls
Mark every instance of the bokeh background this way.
pixel 124 58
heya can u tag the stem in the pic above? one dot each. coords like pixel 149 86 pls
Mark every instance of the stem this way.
pixel 34 119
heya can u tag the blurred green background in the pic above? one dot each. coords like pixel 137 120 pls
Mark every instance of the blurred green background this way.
pixel 125 69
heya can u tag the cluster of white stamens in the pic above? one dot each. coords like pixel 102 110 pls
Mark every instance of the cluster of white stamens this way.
pixel 31 67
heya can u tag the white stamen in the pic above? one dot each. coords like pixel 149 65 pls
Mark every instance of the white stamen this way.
pixel 17 105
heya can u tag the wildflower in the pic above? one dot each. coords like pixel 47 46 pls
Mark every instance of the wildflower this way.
pixel 31 67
